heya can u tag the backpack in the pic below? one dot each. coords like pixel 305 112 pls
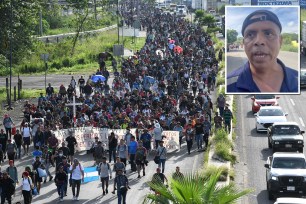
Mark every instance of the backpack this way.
pixel 98 168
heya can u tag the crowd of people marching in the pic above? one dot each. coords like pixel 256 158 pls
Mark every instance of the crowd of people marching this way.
pixel 165 86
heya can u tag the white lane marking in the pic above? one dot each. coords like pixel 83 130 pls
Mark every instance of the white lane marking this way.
pixel 292 101
pixel 302 122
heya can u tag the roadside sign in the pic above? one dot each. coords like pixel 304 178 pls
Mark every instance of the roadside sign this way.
pixel 44 57
pixel 118 50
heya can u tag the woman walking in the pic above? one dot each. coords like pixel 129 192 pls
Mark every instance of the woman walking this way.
pixel 27 185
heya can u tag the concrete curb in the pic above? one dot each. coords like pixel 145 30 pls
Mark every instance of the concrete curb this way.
pixel 214 161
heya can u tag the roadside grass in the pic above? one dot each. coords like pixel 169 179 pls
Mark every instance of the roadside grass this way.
pixel 24 94
pixel 220 79
pixel 234 107
pixel 223 146
pixel 211 170
pixel 221 90
pixel 223 150
pixel 84 59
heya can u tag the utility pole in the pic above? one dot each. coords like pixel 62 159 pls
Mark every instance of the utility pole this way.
pixel 11 55
pixel 118 21
pixel 95 11
pixel 40 23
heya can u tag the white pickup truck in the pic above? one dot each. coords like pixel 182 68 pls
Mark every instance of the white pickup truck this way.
pixel 286 174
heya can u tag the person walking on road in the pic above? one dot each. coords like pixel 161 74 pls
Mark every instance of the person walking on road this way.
pixel 71 144
pixel 140 157
pixel 122 151
pixel 162 153
pixel 199 131
pixel 146 139
pixel 112 145
pixel 119 165
pixel 177 175
pixel 228 116
pixel 159 179
pixel 11 150
pixel 18 142
pixel 189 137
pixel 122 184
pixel 132 152
pixel 77 175
pixel 105 175
pixel 27 186
pixel 179 128
pixel 3 142
pixel 47 161
pixel 60 181
pixel 98 153
pixel 8 125
pixel 218 121
pixel 66 167
pixel 26 135
pixel 8 188
pixel 157 132
pixel 221 104
pixel 12 172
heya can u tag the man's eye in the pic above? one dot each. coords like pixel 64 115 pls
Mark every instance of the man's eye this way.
pixel 250 35
pixel 268 33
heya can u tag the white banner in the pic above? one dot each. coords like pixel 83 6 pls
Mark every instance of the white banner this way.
pixel 171 139
pixel 85 136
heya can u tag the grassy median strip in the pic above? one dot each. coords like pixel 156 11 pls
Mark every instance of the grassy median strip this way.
pixel 223 146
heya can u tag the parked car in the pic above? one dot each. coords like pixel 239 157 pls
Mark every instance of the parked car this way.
pixel 285 174
pixel 267 115
pixel 263 100
pixel 303 78
pixel 285 136
pixel 288 200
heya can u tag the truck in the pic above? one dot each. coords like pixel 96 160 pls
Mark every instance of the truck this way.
pixel 181 10
pixel 286 174
pixel 303 40
pixel 285 136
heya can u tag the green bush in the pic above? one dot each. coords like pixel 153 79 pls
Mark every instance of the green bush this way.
pixel 220 80
pixel 221 135
pixel 211 170
pixel 66 62
pixel 223 150
pixel 56 65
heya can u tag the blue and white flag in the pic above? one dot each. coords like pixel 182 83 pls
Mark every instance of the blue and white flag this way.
pixel 90 174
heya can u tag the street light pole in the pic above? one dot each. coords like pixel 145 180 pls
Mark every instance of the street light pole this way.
pixel 118 21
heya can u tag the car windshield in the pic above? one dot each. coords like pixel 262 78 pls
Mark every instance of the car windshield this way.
pixel 303 72
pixel 270 112
pixel 286 130
pixel 264 97
pixel 289 163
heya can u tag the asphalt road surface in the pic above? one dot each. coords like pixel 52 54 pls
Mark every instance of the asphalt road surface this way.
pixel 252 147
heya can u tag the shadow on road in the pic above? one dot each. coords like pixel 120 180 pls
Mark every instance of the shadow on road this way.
pixel 254 133
pixel 262 198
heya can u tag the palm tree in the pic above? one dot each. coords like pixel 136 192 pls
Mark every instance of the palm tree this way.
pixel 195 189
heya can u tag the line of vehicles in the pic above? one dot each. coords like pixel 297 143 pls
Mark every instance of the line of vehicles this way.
pixel 286 168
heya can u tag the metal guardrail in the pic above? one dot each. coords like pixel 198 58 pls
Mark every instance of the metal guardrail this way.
pixel 58 37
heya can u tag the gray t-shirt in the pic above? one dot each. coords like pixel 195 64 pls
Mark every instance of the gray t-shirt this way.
pixel 162 152
pixel 121 149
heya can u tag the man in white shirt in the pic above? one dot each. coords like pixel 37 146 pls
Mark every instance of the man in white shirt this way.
pixel 77 175
pixel 105 174
pixel 26 135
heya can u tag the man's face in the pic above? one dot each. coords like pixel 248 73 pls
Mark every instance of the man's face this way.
pixel 262 42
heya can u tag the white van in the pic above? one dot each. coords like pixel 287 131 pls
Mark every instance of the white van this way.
pixel 181 10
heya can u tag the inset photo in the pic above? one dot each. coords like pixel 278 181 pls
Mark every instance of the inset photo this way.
pixel 262 49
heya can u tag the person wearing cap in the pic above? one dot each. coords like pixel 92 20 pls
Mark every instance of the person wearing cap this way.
pixel 264 72
pixel 26 137
pixel 11 149
pixel 227 116
pixel 157 132
pixel 27 185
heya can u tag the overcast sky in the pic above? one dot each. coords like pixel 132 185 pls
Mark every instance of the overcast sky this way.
pixel 288 16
